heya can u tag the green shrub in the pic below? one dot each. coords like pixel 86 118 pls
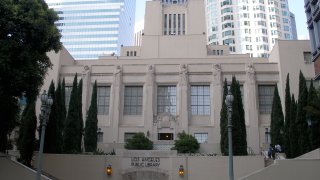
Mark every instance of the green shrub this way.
pixel 139 142
pixel 186 143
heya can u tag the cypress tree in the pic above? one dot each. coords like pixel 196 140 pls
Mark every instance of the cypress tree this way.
pixel 224 122
pixel 51 141
pixel 63 103
pixel 72 127
pixel 313 113
pixel 286 143
pixel 80 119
pixel 303 136
pixel 293 129
pixel 277 122
pixel 239 134
pixel 28 32
pixel 59 118
pixel 26 141
pixel 90 136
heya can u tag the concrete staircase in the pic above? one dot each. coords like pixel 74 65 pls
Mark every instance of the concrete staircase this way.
pixel 304 167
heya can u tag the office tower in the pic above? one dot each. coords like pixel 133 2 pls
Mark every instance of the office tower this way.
pixel 91 28
pixel 293 26
pixel 313 20
pixel 248 26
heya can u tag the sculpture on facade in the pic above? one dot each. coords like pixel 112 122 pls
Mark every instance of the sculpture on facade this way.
pixel 216 68
pixel 250 73
pixel 85 71
pixel 150 75
pixel 183 75
pixel 117 75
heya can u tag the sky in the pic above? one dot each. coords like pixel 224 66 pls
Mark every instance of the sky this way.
pixel 295 6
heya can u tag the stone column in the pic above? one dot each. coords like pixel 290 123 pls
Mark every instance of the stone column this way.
pixel 115 105
pixel 182 100
pixel 216 99
pixel 85 95
pixel 85 91
pixel 148 102
pixel 251 111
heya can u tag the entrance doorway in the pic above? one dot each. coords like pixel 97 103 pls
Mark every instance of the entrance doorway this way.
pixel 145 175
pixel 165 136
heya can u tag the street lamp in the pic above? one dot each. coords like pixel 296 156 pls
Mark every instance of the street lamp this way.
pixel 181 171
pixel 109 170
pixel 313 130
pixel 46 103
pixel 22 102
pixel 309 121
pixel 228 102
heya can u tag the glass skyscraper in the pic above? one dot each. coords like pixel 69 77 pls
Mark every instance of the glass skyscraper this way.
pixel 249 26
pixel 91 28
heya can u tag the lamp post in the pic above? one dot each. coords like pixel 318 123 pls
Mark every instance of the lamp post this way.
pixel 46 102
pixel 22 102
pixel 309 121
pixel 22 105
pixel 228 102
pixel 314 133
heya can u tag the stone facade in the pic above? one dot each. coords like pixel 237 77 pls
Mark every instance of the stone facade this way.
pixel 179 64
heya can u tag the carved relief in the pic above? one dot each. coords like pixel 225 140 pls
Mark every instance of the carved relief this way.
pixel 216 71
pixel 165 120
pixel 117 75
pixel 251 78
pixel 183 75
pixel 150 75
pixel 85 71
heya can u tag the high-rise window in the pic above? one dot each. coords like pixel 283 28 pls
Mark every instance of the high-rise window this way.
pixel 91 28
pixel 201 137
pixel 251 19
pixel 167 99
pixel 200 100
pixel 133 96
pixel 103 100
pixel 265 98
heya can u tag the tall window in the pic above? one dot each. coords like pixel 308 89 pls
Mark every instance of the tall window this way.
pixel 167 99
pixel 133 96
pixel 99 136
pixel 165 24
pixel 128 135
pixel 170 25
pixel 307 57
pixel 201 137
pixel 103 99
pixel 265 98
pixel 174 23
pixel 200 100
pixel 67 94
pixel 179 23
pixel 183 24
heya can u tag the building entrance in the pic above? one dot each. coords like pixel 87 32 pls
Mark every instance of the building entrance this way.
pixel 165 136
pixel 145 175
